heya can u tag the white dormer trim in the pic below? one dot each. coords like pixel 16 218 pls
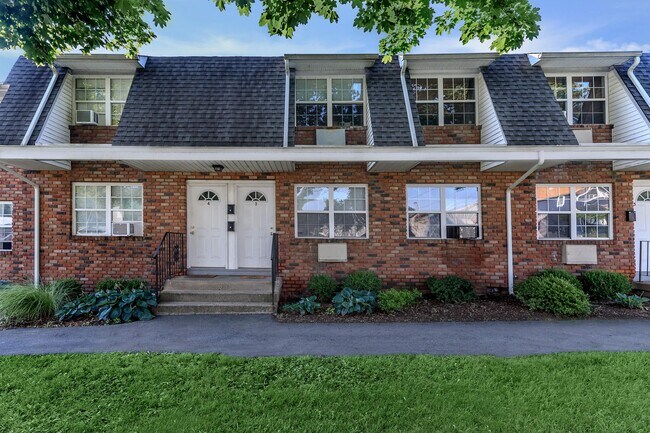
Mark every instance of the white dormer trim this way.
pixel 55 129
pixel 491 130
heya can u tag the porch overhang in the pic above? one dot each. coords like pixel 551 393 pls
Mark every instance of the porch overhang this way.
pixel 624 157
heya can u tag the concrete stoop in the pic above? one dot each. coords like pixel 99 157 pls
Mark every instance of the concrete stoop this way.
pixel 216 295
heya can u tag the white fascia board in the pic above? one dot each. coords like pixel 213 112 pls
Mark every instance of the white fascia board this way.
pixel 443 153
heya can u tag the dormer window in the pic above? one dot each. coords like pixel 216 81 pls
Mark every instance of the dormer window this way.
pixel 105 97
pixel 336 102
pixel 445 101
pixel 585 103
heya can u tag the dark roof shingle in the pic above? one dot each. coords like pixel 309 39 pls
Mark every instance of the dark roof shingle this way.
pixel 205 101
pixel 525 104
pixel 642 73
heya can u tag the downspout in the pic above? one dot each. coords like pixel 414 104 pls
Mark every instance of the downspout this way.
pixel 511 267
pixel 37 218
pixel 41 107
pixel 407 101
pixel 287 87
pixel 635 80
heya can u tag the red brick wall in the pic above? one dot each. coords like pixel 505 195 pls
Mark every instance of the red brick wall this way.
pixel 452 134
pixel 92 134
pixel 600 133
pixel 397 260
pixel 306 135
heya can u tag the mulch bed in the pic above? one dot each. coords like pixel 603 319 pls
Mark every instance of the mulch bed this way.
pixel 51 324
pixel 480 310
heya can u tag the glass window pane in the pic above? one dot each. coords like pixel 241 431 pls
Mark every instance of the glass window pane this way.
pixel 120 88
pixel 313 225
pixel 349 225
pixel 459 113
pixel 349 199
pixel 553 199
pixel 593 225
pixel 116 113
pixel 311 90
pixel 428 113
pixel 311 115
pixel 423 199
pixel 424 225
pixel 595 199
pixel 461 199
pixel 347 115
pixel 347 89
pixel 462 219
pixel 554 226
pixel 312 198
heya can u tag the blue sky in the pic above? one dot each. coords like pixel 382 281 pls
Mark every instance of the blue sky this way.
pixel 198 28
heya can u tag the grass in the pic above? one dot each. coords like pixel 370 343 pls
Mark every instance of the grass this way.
pixel 595 392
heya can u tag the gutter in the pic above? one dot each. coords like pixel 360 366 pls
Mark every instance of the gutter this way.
pixel 41 107
pixel 407 101
pixel 37 218
pixel 511 267
pixel 635 80
pixel 287 87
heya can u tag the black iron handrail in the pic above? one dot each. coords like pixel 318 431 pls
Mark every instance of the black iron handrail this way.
pixel 644 247
pixel 275 267
pixel 170 258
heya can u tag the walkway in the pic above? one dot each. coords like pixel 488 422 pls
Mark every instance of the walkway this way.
pixel 261 335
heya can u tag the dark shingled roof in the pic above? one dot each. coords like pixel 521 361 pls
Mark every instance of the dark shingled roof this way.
pixel 205 101
pixel 642 73
pixel 386 104
pixel 525 104
pixel 27 85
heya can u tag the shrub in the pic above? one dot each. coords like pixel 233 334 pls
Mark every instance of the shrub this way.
pixel 303 306
pixel 350 301
pixel 396 299
pixel 451 289
pixel 70 286
pixel 323 287
pixel 363 280
pixel 561 273
pixel 124 284
pixel 604 285
pixel 111 306
pixel 631 301
pixel 27 303
pixel 553 295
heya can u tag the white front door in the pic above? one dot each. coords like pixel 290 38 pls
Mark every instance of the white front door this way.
pixel 255 225
pixel 642 225
pixel 207 226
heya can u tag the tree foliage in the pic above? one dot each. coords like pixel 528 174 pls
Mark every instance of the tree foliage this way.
pixel 47 28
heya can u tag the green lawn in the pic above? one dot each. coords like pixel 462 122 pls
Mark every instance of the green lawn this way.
pixel 594 392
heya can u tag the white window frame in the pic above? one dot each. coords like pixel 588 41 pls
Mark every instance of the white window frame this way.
pixel 328 102
pixel 107 100
pixel 330 210
pixel 441 102
pixel 574 211
pixel 569 96
pixel 11 228
pixel 109 209
pixel 443 209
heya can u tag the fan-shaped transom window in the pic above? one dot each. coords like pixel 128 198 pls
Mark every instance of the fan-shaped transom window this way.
pixel 644 196
pixel 256 196
pixel 208 196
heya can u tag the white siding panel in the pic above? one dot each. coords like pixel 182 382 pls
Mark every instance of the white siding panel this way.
pixel 630 124
pixel 3 90
pixel 56 128
pixel 491 132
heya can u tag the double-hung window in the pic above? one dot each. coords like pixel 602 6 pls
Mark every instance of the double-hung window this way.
pixel 336 102
pixel 443 211
pixel 445 101
pixel 104 96
pixel 6 226
pixel 107 209
pixel 582 98
pixel 574 212
pixel 331 211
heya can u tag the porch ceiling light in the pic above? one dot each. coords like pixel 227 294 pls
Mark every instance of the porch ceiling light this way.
pixel 217 168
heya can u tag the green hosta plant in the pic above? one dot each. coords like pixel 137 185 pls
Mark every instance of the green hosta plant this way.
pixel 631 301
pixel 350 301
pixel 111 306
pixel 123 284
pixel 303 306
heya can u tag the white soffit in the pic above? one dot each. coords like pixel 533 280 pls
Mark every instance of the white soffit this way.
pixel 207 166
pixel 324 64
pixel 582 61
pixel 116 64
pixel 419 64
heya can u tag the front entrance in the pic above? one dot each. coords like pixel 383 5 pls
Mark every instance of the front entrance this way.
pixel 642 225
pixel 230 224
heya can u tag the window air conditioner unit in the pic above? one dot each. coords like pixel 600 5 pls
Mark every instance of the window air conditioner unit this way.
pixel 123 229
pixel 87 117
pixel 330 137
pixel 462 232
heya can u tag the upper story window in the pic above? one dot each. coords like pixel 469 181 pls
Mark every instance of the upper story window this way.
pixel 329 102
pixel 104 96
pixel 6 226
pixel 445 101
pixel 584 101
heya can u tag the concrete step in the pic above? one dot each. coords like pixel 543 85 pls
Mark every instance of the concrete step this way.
pixel 178 308
pixel 222 283
pixel 175 295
